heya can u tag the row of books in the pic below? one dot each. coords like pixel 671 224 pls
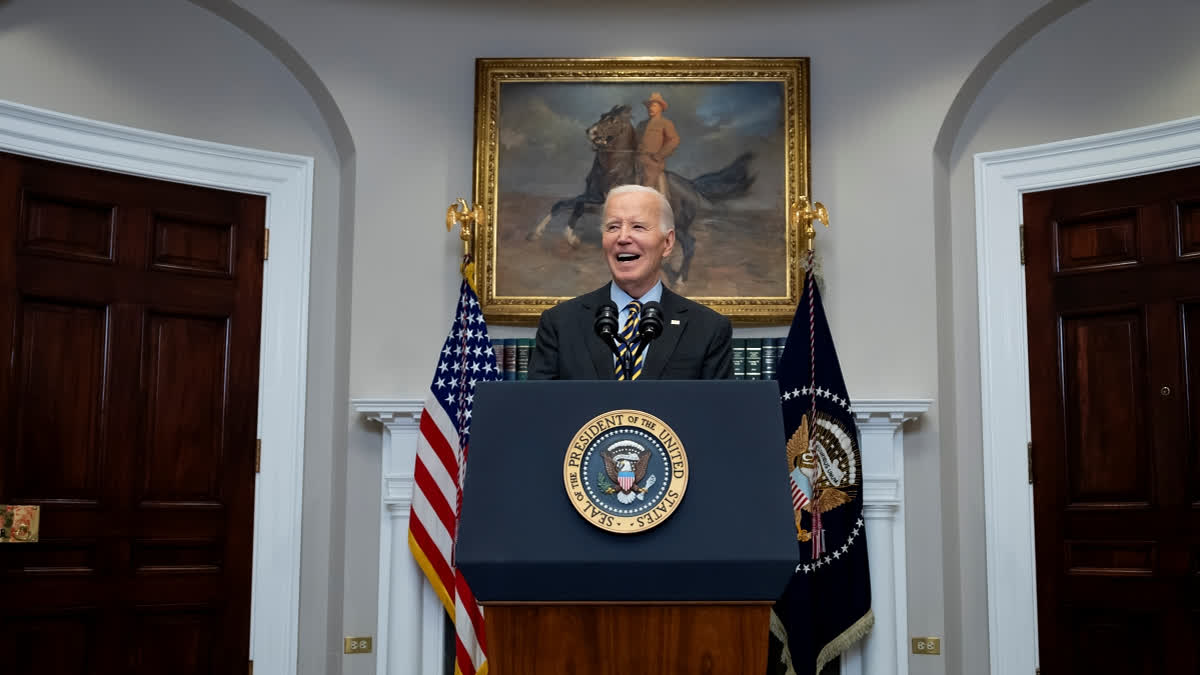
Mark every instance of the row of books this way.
pixel 512 356
pixel 756 358
pixel 753 358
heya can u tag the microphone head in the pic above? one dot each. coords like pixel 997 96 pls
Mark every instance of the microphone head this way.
pixel 606 320
pixel 651 324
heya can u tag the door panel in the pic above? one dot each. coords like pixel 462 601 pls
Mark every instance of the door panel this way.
pixel 1098 241
pixel 67 228
pixel 1103 363
pixel 1190 312
pixel 186 376
pixel 1111 558
pixel 1188 216
pixel 1114 642
pixel 62 349
pixel 180 642
pixel 59 643
pixel 191 245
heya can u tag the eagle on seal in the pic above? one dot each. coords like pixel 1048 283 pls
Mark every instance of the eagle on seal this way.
pixel 625 463
pixel 806 466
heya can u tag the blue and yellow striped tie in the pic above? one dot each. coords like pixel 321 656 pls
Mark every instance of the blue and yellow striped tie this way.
pixel 629 343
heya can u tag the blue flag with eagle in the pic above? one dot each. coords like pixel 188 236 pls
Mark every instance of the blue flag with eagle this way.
pixel 826 606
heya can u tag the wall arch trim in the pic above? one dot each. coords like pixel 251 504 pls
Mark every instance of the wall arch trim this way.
pixel 297 65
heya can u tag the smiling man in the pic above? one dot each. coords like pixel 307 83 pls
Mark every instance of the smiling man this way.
pixel 638 235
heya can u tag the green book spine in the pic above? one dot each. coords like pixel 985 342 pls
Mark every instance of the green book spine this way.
pixel 753 358
pixel 768 358
pixel 739 358
pixel 524 349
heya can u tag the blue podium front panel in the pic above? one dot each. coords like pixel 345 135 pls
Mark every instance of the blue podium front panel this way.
pixel 731 536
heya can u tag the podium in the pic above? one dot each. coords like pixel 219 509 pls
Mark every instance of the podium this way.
pixel 560 594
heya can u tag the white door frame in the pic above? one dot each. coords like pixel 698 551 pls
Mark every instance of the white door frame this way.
pixel 287 183
pixel 1000 179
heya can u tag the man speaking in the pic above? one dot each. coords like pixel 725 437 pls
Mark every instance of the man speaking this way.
pixel 633 327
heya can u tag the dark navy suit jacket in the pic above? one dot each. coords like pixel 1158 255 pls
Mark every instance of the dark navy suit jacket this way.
pixel 696 342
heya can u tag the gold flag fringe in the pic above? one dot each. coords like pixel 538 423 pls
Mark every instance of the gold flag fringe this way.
pixel 785 654
pixel 857 631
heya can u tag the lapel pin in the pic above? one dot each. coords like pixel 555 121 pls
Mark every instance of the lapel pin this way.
pixel 674 322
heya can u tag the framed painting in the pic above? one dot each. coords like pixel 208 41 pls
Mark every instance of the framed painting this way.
pixel 552 136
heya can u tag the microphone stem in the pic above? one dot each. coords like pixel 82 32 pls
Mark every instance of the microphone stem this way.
pixel 612 345
pixel 642 344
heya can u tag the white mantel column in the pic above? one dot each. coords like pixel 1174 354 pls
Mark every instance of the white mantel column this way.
pixel 410 629
pixel 881 439
pixel 411 617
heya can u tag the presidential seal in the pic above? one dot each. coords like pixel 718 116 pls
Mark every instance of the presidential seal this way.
pixel 625 471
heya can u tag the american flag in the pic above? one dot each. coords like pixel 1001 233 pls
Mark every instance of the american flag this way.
pixel 466 358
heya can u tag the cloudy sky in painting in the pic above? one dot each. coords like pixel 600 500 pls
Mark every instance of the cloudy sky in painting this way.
pixel 544 148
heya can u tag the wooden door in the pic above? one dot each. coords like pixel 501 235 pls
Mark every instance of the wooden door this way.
pixel 129 336
pixel 1113 294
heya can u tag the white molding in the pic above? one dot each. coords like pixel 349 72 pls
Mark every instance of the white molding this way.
pixel 881 440
pixel 410 615
pixel 410 620
pixel 1000 180
pixel 287 182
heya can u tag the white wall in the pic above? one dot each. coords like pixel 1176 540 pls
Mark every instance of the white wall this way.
pixel 1107 66
pixel 176 68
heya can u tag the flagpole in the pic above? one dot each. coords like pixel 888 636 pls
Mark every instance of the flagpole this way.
pixel 466 217
pixel 804 211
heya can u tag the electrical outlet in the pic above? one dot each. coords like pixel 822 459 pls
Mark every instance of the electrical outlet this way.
pixel 927 645
pixel 358 645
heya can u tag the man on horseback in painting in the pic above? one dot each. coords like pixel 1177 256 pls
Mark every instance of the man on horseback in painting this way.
pixel 657 139
pixel 622 158
pixel 637 235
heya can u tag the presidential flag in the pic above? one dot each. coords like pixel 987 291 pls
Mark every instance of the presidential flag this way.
pixel 826 606
pixel 466 359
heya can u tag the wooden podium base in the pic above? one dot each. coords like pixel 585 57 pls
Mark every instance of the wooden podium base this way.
pixel 616 639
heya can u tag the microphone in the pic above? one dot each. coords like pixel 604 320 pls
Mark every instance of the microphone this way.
pixel 605 326
pixel 606 321
pixel 650 326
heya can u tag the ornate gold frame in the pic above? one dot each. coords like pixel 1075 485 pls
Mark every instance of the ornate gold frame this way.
pixel 490 74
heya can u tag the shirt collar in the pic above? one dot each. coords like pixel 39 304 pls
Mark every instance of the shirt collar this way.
pixel 620 298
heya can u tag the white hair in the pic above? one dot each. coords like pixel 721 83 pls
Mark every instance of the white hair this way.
pixel 666 216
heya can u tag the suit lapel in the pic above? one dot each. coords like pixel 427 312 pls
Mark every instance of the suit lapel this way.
pixel 662 348
pixel 602 358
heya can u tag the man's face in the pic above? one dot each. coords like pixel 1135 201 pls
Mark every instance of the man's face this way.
pixel 634 245
pixel 655 108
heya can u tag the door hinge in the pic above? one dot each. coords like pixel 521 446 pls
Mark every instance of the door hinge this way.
pixel 1021 234
pixel 267 244
pixel 1029 456
pixel 257 455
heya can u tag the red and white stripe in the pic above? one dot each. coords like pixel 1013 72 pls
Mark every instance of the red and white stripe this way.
pixel 432 530
pixel 799 499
